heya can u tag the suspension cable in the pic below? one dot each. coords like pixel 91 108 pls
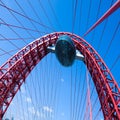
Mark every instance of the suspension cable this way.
pixel 114 34
pixel 106 21
pixel 40 3
pixel 10 41
pixel 32 23
pixel 55 14
pixel 75 93
pixel 109 12
pixel 115 62
pixel 14 31
pixel 88 14
pixel 15 26
pixel 3 39
pixel 7 52
pixel 18 22
pixel 74 15
pixel 78 95
pixel 80 16
pixel 4 6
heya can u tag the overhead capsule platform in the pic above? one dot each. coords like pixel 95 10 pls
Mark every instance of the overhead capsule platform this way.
pixel 65 51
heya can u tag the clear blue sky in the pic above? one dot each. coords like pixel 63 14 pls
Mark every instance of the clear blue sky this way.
pixel 57 15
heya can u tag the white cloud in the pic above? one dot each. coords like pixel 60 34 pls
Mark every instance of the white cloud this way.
pixel 62 80
pixel 47 109
pixel 42 113
pixel 31 110
pixel 62 114
pixel 28 99
pixel 12 103
pixel 22 88
pixel 36 112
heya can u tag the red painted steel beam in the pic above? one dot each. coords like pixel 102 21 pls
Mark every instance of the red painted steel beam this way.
pixel 109 12
pixel 14 72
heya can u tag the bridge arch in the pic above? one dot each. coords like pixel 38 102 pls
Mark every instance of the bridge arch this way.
pixel 14 72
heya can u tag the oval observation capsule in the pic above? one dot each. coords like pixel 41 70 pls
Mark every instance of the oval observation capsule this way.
pixel 65 50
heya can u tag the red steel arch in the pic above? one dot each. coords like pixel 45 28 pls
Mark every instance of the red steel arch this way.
pixel 14 72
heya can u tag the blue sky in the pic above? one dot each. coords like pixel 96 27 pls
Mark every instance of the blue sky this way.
pixel 64 15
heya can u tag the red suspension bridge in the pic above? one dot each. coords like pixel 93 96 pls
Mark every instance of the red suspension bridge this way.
pixel 15 71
